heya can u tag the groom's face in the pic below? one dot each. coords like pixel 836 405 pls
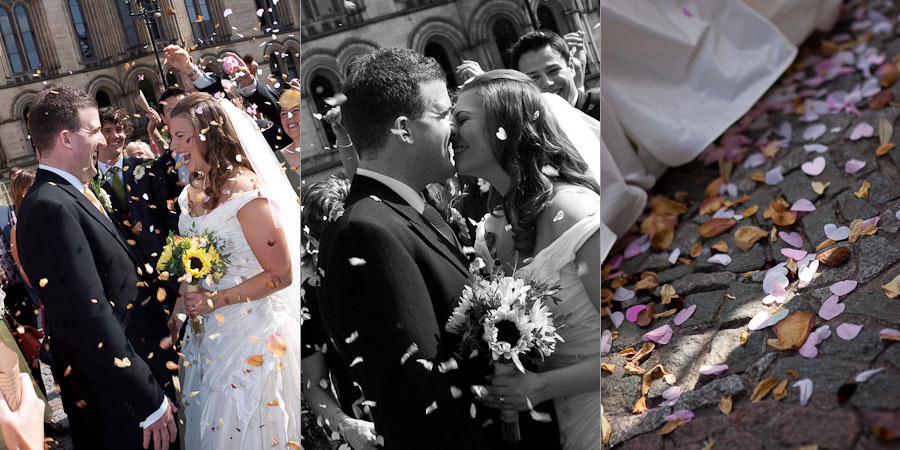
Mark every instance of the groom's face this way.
pixel 85 142
pixel 431 131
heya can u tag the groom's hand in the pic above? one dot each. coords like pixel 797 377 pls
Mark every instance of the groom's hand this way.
pixel 163 431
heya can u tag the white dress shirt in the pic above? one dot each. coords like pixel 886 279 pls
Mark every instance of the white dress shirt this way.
pixel 104 168
pixel 403 190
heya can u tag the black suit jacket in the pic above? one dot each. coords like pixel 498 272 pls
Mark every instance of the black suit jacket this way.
pixel 402 295
pixel 145 217
pixel 98 313
pixel 266 100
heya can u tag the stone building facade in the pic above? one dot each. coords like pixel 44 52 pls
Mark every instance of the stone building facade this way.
pixel 334 31
pixel 96 45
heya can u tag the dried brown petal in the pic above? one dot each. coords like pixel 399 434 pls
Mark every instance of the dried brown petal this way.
pixel 881 99
pixel 648 281
pixel 883 149
pixel 725 404
pixel 606 430
pixel 750 211
pixel 744 336
pixel 771 149
pixel 890 75
pixel 653 374
pixel 818 187
pixel 645 317
pixel 710 205
pixel 721 247
pixel 670 426
pixel 611 368
pixel 825 244
pixel 762 389
pixel 863 191
pixel 696 249
pixel 793 373
pixel 715 227
pixel 662 206
pixel 746 236
pixel 792 331
pixel 780 391
pixel 834 257
pixel 892 288
pixel 667 292
pixel 255 360
pixel 640 406
pixel 758 176
pixel 714 187
pixel 665 314
pixel 661 230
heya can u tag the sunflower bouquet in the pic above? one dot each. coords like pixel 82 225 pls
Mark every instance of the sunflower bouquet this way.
pixel 193 259
pixel 508 318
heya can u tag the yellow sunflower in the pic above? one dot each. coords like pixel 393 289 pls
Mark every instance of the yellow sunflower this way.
pixel 164 258
pixel 197 262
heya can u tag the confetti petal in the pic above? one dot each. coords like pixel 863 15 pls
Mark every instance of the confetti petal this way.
pixel 777 317
pixel 773 277
pixel 623 294
pixel 713 370
pixel 806 274
pixel 605 342
pixel 778 295
pixel 501 134
pixel 720 258
pixel 673 257
pixel 661 335
pixel 617 318
pixel 806 390
pixel 803 205
pixel 848 331
pixel 681 414
pixel 631 314
pixel 684 314
pixel 854 165
pixel 842 288
pixel 686 12
pixel 794 254
pixel 815 167
pixel 817 148
pixel 831 308
pixel 774 176
pixel 758 322
pixel 794 239
pixel 814 132
pixel 809 349
pixel 861 130
pixel 890 334
pixel 866 374
pixel 836 234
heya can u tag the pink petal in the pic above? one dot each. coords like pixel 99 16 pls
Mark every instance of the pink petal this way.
pixel 672 393
pixel 684 314
pixel 848 331
pixel 774 176
pixel 686 12
pixel 713 370
pixel 866 374
pixel 823 332
pixel 808 349
pixel 794 254
pixel 661 335
pixel 617 318
pixel 778 295
pixel 616 261
pixel 869 222
pixel 758 321
pixel 889 332
pixel 806 390
pixel 613 275
pixel 818 148
pixel 682 414
pixel 831 308
pixel 836 234
pixel 843 287
pixel 860 131
pixel 814 132
pixel 814 167
pixel 631 314
pixel 623 294
pixel 632 250
pixel 803 205
pixel 854 165
pixel 792 238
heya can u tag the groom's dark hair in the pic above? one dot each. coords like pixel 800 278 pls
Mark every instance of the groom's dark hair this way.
pixel 382 86
pixel 56 109
pixel 537 40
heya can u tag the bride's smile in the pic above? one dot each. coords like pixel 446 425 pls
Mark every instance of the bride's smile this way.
pixel 186 143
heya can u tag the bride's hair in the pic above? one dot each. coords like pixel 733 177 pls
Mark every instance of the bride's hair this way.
pixel 220 147
pixel 534 141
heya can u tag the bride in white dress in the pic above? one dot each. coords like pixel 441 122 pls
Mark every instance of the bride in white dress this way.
pixel 241 382
pixel 507 134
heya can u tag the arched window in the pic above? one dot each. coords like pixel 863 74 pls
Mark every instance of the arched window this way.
pixel 269 18
pixel 547 19
pixel 505 35
pixel 437 51
pixel 127 22
pixel 321 88
pixel 102 99
pixel 204 29
pixel 81 33
pixel 275 67
pixel 18 40
pixel 291 65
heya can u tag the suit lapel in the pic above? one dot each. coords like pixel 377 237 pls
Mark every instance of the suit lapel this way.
pixel 364 186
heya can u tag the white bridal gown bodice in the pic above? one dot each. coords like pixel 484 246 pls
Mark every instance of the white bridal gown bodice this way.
pixel 576 319
pixel 228 402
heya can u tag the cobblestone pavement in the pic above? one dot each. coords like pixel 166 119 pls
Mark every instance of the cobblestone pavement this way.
pixel 842 412
pixel 63 442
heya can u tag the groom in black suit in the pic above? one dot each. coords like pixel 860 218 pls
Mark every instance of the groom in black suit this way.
pixel 392 268
pixel 105 327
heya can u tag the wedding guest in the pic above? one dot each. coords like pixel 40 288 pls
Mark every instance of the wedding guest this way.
pixel 167 101
pixel 289 156
pixel 23 428
pixel 20 303
pixel 139 149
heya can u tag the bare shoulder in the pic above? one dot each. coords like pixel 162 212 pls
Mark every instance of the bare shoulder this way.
pixel 569 205
pixel 243 181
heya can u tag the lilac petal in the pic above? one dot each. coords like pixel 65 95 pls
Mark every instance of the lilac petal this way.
pixel 823 332
pixel 792 238
pixel 843 287
pixel 682 414
pixel 605 342
pixel 720 258
pixel 809 349
pixel 774 176
pixel 731 189
pixel 632 250
pixel 758 321
pixel 806 274
pixel 818 148
pixel 848 331
pixel 803 205
pixel 631 314
pixel 794 254
pixel 806 390
pixel 617 318
pixel 713 370
pixel 815 167
pixel 613 275
pixel 623 294
pixel 684 314
pixel 897 214
pixel 778 295
pixel 831 308
pixel 772 278
pixel 814 132
pixel 889 332
pixel 866 374
pixel 754 160
pixel 723 213
pixel 836 234
pixel 616 261
pixel 860 131
pixel 661 335
pixel 672 392
pixel 785 130
pixel 673 257
pixel 869 222
pixel 854 165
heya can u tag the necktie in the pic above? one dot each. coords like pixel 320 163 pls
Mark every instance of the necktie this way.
pixel 434 218
pixel 93 199
pixel 117 184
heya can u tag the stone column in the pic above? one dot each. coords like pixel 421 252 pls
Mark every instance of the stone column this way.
pixel 217 11
pixel 37 18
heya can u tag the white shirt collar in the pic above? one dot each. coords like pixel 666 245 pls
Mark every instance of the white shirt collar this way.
pixel 72 179
pixel 404 191
pixel 104 167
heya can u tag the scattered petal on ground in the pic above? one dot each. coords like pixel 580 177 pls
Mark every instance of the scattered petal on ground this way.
pixel 842 288
pixel 814 132
pixel 848 331
pixel 866 374
pixel 836 234
pixel 713 370
pixel 861 130
pixel 831 308
pixel 661 335
pixel 806 390
pixel 623 294
pixel 684 314
pixel 815 167
pixel 854 165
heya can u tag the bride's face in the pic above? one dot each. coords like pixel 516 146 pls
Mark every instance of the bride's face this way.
pixel 471 149
pixel 186 142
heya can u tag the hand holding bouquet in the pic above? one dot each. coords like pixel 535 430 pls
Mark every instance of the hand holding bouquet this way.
pixel 508 317
pixel 193 259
